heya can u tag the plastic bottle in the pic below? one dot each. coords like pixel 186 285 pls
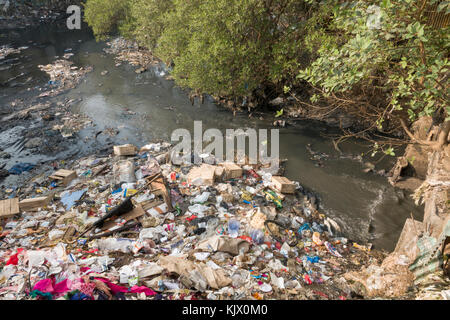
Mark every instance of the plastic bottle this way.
pixel 233 228
pixel 257 236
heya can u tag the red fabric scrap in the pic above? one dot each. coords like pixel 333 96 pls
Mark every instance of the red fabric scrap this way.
pixel 14 259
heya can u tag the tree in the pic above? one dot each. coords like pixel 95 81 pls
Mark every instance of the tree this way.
pixel 380 59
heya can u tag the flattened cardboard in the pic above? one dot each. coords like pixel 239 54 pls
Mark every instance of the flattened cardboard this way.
pixel 9 207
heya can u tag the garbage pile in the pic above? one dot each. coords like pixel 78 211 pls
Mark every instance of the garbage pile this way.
pixel 63 75
pixel 435 286
pixel 129 51
pixel 7 50
pixel 135 226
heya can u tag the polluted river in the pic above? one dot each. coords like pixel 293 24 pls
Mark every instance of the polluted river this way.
pixel 144 107
pixel 93 206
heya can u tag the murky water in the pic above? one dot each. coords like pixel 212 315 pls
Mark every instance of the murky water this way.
pixel 146 106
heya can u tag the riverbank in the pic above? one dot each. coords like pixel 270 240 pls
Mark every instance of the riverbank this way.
pixel 37 116
pixel 147 254
pixel 125 106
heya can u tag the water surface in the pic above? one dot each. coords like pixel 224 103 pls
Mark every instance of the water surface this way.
pixel 146 106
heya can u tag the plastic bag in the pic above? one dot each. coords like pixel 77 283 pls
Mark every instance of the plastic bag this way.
pixel 124 172
pixel 201 198
pixel 113 244
pixel 55 234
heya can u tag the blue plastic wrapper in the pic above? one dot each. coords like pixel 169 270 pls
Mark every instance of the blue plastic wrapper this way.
pixel 20 168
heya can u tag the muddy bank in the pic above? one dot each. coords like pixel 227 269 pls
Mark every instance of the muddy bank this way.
pixel 148 229
pixel 129 119
pixel 129 106
pixel 22 14
pixel 419 265
pixel 37 131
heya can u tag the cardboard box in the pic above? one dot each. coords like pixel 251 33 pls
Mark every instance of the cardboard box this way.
pixel 64 176
pixel 125 150
pixel 232 170
pixel 283 184
pixel 34 203
pixel 9 208
pixel 219 172
pixel 161 189
pixel 206 172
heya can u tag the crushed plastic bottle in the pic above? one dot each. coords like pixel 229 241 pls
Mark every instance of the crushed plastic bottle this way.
pixel 257 236
pixel 233 228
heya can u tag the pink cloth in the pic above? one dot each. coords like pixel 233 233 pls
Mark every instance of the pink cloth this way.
pixel 48 285
pixel 44 285
pixel 135 289
pixel 116 288
pixel 10 288
pixel 113 287
pixel 62 287
pixel 86 288
pixel 147 291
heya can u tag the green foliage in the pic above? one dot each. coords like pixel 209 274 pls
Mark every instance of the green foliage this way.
pixel 105 16
pixel 279 113
pixel 390 151
pixel 230 47
pixel 385 45
pixel 149 20
pixel 221 47
pixel 235 47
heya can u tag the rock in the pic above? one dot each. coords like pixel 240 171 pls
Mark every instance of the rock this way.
pixel 369 165
pixel 3 173
pixel 33 143
pixel 4 155
pixel 408 183
pixel 414 162
pixel 277 101
pixel 279 123
pixel 396 171
pixel 140 70
pixel 48 117
pixel 346 121
pixel 417 157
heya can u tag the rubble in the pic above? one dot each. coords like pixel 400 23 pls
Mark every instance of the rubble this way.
pixel 63 75
pixel 6 51
pixel 129 51
pixel 134 227
pixel 391 279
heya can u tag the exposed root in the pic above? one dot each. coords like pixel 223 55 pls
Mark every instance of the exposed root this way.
pixel 442 138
